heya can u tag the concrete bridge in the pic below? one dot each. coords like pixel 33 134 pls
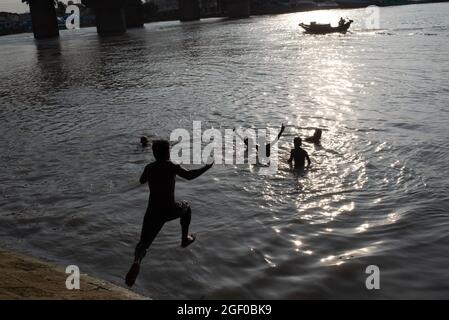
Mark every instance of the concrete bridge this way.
pixel 115 16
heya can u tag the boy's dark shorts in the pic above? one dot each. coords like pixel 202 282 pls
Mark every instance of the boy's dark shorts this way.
pixel 179 210
pixel 154 220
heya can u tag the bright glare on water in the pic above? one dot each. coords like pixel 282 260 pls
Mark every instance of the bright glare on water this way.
pixel 72 112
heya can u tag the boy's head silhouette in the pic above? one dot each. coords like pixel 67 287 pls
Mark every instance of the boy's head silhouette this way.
pixel 161 150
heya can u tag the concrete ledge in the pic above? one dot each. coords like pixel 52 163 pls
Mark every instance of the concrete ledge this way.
pixel 23 277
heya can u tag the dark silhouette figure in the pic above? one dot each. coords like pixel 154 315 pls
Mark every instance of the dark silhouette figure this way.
pixel 299 155
pixel 341 22
pixel 162 207
pixel 268 146
pixel 316 138
pixel 144 142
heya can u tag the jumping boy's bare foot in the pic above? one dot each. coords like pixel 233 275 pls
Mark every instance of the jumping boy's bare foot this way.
pixel 132 274
pixel 186 242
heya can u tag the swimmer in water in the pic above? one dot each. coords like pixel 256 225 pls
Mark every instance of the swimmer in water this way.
pixel 316 138
pixel 162 207
pixel 267 146
pixel 298 155
pixel 144 142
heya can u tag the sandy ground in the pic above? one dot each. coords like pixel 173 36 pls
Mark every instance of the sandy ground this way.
pixel 23 277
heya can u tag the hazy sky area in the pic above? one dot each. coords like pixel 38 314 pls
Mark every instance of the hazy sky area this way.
pixel 18 6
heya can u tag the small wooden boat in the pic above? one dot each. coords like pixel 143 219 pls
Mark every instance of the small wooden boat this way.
pixel 319 28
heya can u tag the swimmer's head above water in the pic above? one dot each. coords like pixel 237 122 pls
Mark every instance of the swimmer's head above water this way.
pixel 297 142
pixel 246 142
pixel 161 150
pixel 144 141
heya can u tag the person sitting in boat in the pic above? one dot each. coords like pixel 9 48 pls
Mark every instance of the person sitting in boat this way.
pixel 341 22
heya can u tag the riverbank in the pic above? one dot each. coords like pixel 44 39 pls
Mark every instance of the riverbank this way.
pixel 23 277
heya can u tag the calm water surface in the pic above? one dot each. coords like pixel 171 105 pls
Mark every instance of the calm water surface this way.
pixel 72 112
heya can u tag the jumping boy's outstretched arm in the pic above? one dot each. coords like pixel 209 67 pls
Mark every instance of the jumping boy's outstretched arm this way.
pixel 193 174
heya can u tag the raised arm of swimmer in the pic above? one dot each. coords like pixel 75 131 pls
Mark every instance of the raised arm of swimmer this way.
pixel 279 134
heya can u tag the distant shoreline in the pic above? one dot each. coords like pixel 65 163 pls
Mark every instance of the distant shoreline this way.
pixel 172 16
pixel 274 11
pixel 349 5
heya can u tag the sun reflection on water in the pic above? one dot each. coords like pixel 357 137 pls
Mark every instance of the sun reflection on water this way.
pixel 337 260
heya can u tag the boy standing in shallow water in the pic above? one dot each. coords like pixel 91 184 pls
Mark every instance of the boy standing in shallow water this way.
pixel 299 155
pixel 162 207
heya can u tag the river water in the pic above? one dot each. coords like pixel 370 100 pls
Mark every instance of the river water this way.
pixel 72 111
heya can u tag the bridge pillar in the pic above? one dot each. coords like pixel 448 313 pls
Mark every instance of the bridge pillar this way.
pixel 109 15
pixel 189 10
pixel 237 8
pixel 134 14
pixel 43 16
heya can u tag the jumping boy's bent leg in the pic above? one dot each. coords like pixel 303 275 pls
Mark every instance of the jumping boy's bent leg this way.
pixel 183 211
pixel 186 239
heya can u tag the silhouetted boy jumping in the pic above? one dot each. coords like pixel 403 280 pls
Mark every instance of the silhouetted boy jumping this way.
pixel 162 206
